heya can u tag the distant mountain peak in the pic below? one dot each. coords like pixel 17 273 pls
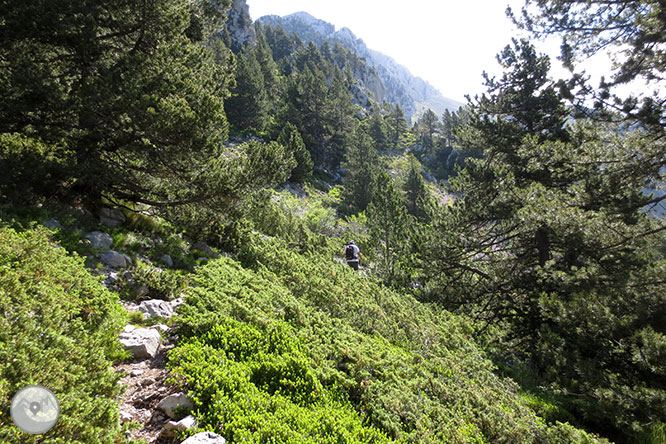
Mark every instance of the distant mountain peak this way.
pixel 413 94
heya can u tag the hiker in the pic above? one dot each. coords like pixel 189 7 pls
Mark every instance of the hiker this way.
pixel 352 255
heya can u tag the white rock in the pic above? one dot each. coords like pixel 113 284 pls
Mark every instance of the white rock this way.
pixel 162 327
pixel 114 259
pixel 186 423
pixel 143 343
pixel 99 240
pixel 156 307
pixel 171 402
pixel 125 417
pixel 128 328
pixel 205 438
pixel 111 217
pixel 137 372
pixel 176 302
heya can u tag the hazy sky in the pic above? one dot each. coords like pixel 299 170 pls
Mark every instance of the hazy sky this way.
pixel 449 43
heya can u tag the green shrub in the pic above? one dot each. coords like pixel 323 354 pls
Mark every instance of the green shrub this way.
pixel 161 283
pixel 255 384
pixel 58 329
pixel 406 368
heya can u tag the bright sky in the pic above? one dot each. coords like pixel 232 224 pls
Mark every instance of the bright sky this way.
pixel 449 43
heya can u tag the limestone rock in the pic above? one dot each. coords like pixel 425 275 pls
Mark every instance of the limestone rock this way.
pixel 111 217
pixel 186 423
pixel 143 343
pixel 100 240
pixel 205 438
pixel 156 307
pixel 239 25
pixel 171 402
pixel 114 259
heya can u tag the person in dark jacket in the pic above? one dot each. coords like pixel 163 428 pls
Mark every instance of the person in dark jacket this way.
pixel 352 255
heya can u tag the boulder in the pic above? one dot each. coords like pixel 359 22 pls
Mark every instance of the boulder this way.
pixel 143 343
pixel 99 240
pixel 156 307
pixel 114 259
pixel 53 224
pixel 169 404
pixel 186 423
pixel 111 217
pixel 204 248
pixel 166 260
pixel 205 438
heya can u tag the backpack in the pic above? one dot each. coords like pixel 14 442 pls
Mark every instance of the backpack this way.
pixel 349 253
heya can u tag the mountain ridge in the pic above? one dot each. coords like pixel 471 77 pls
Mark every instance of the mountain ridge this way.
pixel 411 92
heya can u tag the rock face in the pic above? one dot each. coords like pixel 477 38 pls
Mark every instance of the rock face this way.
pixel 388 81
pixel 177 400
pixel 239 25
pixel 205 438
pixel 100 240
pixel 143 343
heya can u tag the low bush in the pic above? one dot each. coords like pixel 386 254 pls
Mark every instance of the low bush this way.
pixel 58 328
pixel 405 368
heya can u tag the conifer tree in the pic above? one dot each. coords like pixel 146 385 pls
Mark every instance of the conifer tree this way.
pixel 377 129
pixel 362 164
pixel 547 236
pixel 389 225
pixel 428 125
pixel 292 141
pixel 247 108
pixel 397 125
pixel 269 69
pixel 340 110
pixel 417 196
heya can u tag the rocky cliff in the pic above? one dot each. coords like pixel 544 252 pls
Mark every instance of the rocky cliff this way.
pixel 412 93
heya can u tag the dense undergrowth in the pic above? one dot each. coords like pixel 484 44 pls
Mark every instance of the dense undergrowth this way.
pixel 273 348
pixel 58 328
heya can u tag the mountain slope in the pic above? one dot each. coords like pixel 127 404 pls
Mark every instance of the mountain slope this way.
pixel 413 94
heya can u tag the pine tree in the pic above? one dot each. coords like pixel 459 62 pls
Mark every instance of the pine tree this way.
pixel 292 141
pixel 361 162
pixel 417 196
pixel 247 108
pixel 389 225
pixel 547 236
pixel 428 125
pixel 269 69
pixel 397 125
pixel 377 129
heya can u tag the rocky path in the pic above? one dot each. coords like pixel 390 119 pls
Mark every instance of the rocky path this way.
pixel 147 399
